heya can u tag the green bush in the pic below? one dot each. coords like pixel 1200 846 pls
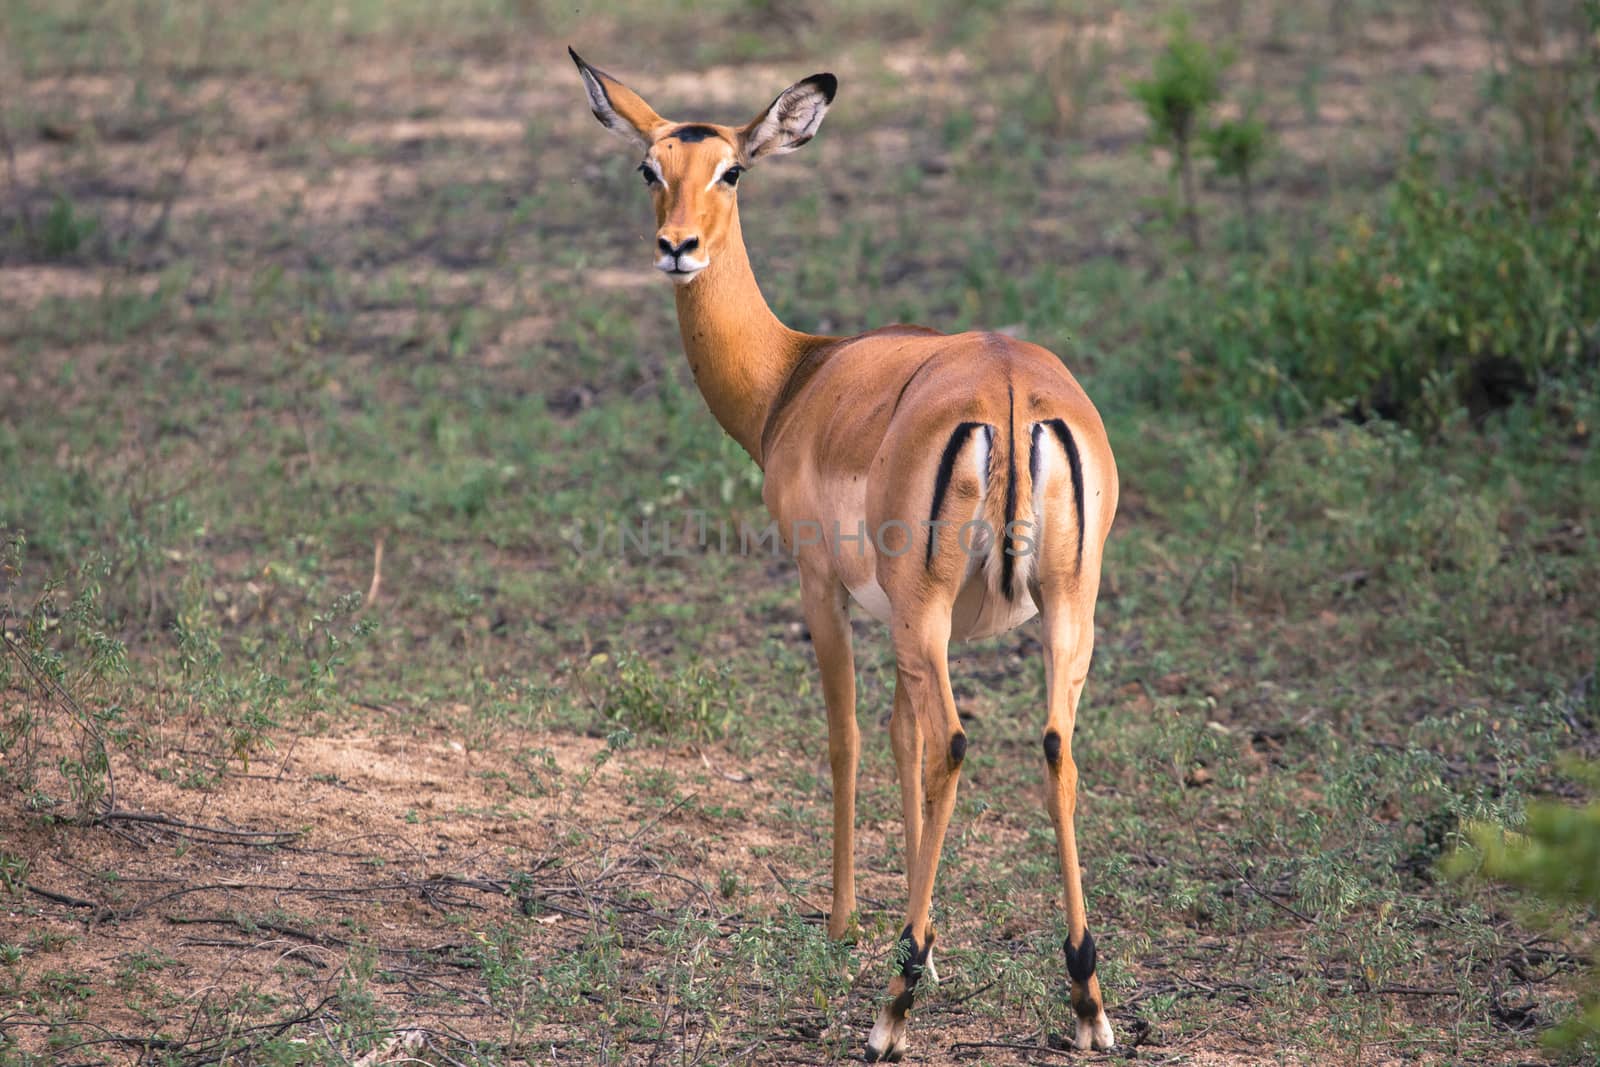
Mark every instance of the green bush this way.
pixel 1449 298
pixel 1236 147
pixel 67 229
pixel 693 701
pixel 1557 858
pixel 1186 82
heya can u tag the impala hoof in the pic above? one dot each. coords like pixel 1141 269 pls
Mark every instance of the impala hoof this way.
pixel 894 1054
pixel 889 1041
pixel 1094 1034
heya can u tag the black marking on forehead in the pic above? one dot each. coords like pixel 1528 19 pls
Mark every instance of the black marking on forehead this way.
pixel 693 133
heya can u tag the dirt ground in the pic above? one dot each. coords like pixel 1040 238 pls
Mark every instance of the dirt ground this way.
pixel 384 853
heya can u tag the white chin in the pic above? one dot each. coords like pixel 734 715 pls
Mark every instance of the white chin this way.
pixel 684 277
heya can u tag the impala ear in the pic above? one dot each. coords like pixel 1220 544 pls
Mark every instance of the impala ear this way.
pixel 619 108
pixel 791 120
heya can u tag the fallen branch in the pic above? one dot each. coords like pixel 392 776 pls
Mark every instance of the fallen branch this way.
pixel 62 898
pixel 252 838
pixel 1308 920
pixel 978 1046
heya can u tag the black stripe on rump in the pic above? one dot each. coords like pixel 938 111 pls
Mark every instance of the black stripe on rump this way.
pixel 941 481
pixel 1070 447
pixel 1008 559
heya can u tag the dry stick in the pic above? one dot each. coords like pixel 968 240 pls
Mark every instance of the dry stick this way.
pixel 283 768
pixel 950 1005
pixel 62 898
pixel 377 573
pixel 1308 920
pixel 436 1050
pixel 783 883
pixel 173 185
pixel 320 940
pixel 961 1045
pixel 251 837
pixel 298 952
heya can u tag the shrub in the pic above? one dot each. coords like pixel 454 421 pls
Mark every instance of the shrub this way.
pixel 693 701
pixel 1236 147
pixel 1557 858
pixel 1186 82
pixel 1449 298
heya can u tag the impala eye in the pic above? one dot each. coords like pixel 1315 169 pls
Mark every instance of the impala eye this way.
pixel 731 175
pixel 649 173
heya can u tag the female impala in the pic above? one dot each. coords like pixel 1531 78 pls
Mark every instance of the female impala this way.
pixel 861 437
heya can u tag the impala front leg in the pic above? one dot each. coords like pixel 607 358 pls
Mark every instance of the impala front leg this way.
pixel 823 603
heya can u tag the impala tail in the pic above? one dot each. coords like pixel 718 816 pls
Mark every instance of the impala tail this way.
pixel 1030 512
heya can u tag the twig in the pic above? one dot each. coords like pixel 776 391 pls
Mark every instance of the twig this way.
pixel 62 898
pixel 1308 920
pixel 254 838
pixel 377 573
pixel 784 884
pixel 960 1046
pixel 245 926
pixel 949 1005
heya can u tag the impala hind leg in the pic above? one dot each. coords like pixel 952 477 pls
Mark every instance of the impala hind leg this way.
pixel 824 606
pixel 905 736
pixel 923 686
pixel 1068 643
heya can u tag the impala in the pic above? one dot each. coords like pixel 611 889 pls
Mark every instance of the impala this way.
pixel 958 485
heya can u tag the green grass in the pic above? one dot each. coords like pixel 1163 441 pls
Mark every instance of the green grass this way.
pixel 1325 645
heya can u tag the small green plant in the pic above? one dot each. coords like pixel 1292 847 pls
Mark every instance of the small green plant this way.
pixel 57 648
pixel 13 873
pixel 695 700
pixel 1236 147
pixel 1556 857
pixel 1186 83
pixel 66 229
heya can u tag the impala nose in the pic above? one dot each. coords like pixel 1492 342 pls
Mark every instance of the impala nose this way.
pixel 679 260
pixel 688 244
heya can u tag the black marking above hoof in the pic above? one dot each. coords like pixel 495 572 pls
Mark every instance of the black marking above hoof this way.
pixel 958 749
pixel 1052 756
pixel 913 957
pixel 913 961
pixel 1080 960
pixel 894 1055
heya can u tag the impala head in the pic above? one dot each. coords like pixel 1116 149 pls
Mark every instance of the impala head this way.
pixel 693 169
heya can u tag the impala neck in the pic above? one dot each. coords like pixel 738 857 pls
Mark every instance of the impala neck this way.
pixel 738 350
